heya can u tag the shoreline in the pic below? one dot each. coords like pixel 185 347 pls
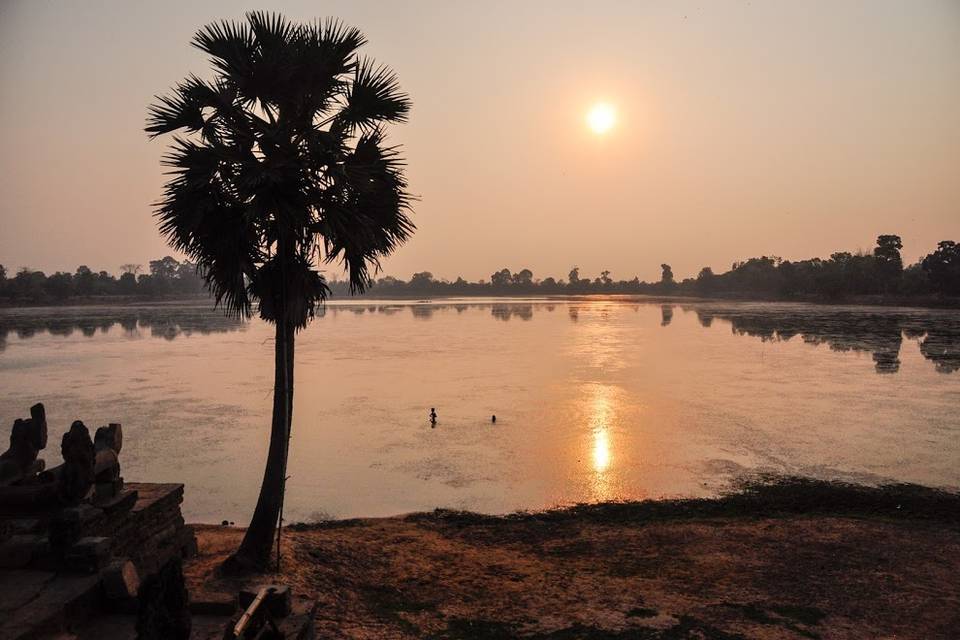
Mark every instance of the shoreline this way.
pixel 917 302
pixel 790 558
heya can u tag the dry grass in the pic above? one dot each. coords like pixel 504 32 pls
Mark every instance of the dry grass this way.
pixel 792 560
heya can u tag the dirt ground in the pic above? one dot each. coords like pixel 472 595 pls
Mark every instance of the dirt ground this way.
pixel 689 569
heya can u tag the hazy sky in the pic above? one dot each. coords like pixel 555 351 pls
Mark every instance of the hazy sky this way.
pixel 744 128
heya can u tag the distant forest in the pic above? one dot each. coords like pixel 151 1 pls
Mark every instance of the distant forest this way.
pixel 843 275
pixel 167 277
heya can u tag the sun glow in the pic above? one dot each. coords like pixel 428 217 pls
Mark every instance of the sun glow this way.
pixel 602 415
pixel 601 118
pixel 601 450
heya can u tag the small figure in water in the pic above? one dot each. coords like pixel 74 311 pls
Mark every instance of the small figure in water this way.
pixel 433 417
pixel 493 419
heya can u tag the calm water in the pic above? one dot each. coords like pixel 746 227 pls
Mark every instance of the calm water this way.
pixel 595 399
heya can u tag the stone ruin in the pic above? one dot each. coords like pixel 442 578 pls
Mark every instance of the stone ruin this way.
pixel 75 538
pixel 87 464
pixel 87 556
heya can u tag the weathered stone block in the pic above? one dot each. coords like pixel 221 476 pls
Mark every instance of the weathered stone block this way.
pixel 88 554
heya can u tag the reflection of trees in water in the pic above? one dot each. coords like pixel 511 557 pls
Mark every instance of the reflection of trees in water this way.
pixel 943 350
pixel 388 309
pixel 167 323
pixel 879 333
pixel 422 311
pixel 666 314
pixel 507 311
pixel 426 311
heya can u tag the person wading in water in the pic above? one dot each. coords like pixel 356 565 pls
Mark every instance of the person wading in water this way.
pixel 433 417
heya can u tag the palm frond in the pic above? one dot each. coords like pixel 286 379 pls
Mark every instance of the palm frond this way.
pixel 374 97
pixel 230 44
pixel 365 211
pixel 271 30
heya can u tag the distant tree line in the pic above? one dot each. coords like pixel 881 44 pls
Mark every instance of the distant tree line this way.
pixel 165 277
pixel 843 274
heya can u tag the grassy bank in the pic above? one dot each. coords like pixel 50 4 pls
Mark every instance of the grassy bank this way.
pixel 785 559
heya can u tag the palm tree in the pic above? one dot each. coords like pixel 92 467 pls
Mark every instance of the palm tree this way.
pixel 281 166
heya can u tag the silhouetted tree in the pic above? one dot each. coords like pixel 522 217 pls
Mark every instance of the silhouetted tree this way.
pixel 943 267
pixel 60 285
pixel 28 284
pixel 130 268
pixel 706 281
pixel 127 284
pixel 574 276
pixel 889 262
pixel 888 249
pixel 666 278
pixel 84 280
pixel 421 281
pixel 164 268
pixel 523 278
pixel 188 278
pixel 500 278
pixel 104 284
pixel 282 158
pixel 915 280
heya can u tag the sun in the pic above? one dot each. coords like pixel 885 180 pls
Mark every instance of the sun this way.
pixel 601 118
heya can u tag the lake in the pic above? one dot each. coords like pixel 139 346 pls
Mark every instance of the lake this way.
pixel 596 399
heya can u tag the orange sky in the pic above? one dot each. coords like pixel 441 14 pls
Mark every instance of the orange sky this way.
pixel 745 128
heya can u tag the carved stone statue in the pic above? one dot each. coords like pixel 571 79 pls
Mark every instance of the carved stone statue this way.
pixel 76 474
pixel 19 462
pixel 107 443
pixel 87 464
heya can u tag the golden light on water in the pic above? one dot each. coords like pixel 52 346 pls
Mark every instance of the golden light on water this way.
pixel 601 450
pixel 601 417
pixel 601 118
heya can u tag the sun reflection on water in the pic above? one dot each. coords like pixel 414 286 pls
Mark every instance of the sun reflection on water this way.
pixel 601 450
pixel 601 419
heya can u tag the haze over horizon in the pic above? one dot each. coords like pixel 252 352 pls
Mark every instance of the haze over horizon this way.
pixel 742 129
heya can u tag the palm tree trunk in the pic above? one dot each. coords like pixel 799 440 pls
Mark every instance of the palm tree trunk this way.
pixel 254 551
